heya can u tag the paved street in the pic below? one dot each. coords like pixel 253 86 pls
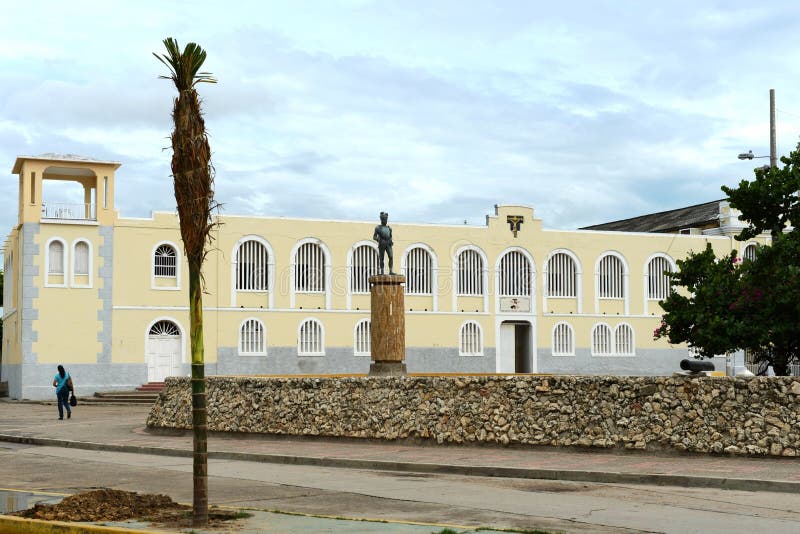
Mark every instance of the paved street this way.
pixel 256 480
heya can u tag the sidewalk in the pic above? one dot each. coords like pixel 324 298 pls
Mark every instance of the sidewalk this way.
pixel 121 429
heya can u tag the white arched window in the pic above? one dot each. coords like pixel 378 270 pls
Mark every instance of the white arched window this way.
pixel 309 269
pixel 55 256
pixel 563 340
pixel 311 338
pixel 749 252
pixel 419 272
pixel 610 278
pixel 470 273
pixel 515 275
pixel 602 340
pixel 470 340
pixel 623 340
pixel 56 263
pixel 165 261
pixel 364 264
pixel 659 283
pixel 164 328
pixel 561 276
pixel 80 258
pixel 252 338
pixel 252 266
pixel 361 338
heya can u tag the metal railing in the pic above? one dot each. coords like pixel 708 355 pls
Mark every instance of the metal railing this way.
pixel 64 211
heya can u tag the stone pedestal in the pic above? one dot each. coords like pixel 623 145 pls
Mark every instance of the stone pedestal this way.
pixel 388 325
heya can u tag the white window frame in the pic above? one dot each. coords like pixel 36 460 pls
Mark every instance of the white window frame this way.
pixel 555 342
pixel 463 343
pixel 632 348
pixel 361 338
pixel 270 270
pixel 310 320
pixel 528 259
pixel 625 286
pixel 613 334
pixel 646 286
pixel 578 279
pixel 64 259
pixel 263 341
pixel 351 256
pixel 434 263
pixel 90 261
pixel 327 272
pixel 594 346
pixel 484 276
pixel 177 277
pixel 749 246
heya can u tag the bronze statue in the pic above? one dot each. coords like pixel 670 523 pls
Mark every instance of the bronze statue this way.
pixel 383 235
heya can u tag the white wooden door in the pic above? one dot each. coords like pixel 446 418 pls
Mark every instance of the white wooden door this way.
pixel 164 356
pixel 507 348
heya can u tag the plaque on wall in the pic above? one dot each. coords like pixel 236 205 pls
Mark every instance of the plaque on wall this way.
pixel 515 304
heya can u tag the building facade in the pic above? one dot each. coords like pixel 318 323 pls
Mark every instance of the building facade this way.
pixel 107 296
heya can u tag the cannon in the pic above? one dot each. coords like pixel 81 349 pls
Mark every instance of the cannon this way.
pixel 696 366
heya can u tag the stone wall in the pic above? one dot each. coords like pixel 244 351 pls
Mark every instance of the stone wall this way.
pixel 756 416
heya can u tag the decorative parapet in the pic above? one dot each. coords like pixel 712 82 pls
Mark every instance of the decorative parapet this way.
pixel 755 416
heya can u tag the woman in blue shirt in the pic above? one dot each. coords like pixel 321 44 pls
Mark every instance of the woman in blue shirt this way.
pixel 63 385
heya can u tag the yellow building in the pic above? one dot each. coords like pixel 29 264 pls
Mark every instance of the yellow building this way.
pixel 107 296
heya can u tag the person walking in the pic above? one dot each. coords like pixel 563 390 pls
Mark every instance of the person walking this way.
pixel 63 385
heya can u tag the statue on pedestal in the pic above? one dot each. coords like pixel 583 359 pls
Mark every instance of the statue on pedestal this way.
pixel 383 235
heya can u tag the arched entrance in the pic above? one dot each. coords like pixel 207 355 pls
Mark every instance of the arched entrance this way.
pixel 515 347
pixel 163 351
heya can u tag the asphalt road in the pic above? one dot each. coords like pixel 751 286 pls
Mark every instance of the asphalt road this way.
pixel 451 499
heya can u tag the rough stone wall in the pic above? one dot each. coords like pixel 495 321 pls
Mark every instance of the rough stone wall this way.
pixel 756 416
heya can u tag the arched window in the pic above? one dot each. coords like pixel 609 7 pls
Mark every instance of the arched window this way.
pixel 311 338
pixel 562 278
pixel 611 278
pixel 659 283
pixel 623 338
pixel 164 328
pixel 309 269
pixel 165 261
pixel 252 266
pixel 470 273
pixel 252 338
pixel 563 340
pixel 602 340
pixel 80 258
pixel 470 340
pixel 362 341
pixel 364 265
pixel 419 272
pixel 515 275
pixel 55 256
pixel 750 252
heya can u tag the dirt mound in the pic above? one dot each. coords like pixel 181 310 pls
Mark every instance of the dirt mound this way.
pixel 106 505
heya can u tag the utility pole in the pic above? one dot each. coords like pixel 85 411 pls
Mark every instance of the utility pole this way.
pixel 773 143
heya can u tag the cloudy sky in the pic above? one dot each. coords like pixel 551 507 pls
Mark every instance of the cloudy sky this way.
pixel 434 111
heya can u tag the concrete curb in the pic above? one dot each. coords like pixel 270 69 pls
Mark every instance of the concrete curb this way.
pixel 608 477
pixel 21 525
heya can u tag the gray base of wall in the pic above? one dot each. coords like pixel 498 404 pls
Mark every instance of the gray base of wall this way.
pixel 34 381
pixel 647 362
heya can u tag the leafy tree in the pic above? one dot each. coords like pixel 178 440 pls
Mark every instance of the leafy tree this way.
pixel 193 184
pixel 701 314
pixel 753 306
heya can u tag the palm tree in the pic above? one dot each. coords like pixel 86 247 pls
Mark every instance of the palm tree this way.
pixel 193 181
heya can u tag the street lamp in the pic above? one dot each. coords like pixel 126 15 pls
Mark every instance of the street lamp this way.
pixel 773 145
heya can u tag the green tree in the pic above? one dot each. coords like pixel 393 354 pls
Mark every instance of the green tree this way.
pixel 193 183
pixel 753 305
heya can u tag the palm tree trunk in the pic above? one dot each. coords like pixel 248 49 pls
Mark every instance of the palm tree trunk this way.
pixel 200 434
